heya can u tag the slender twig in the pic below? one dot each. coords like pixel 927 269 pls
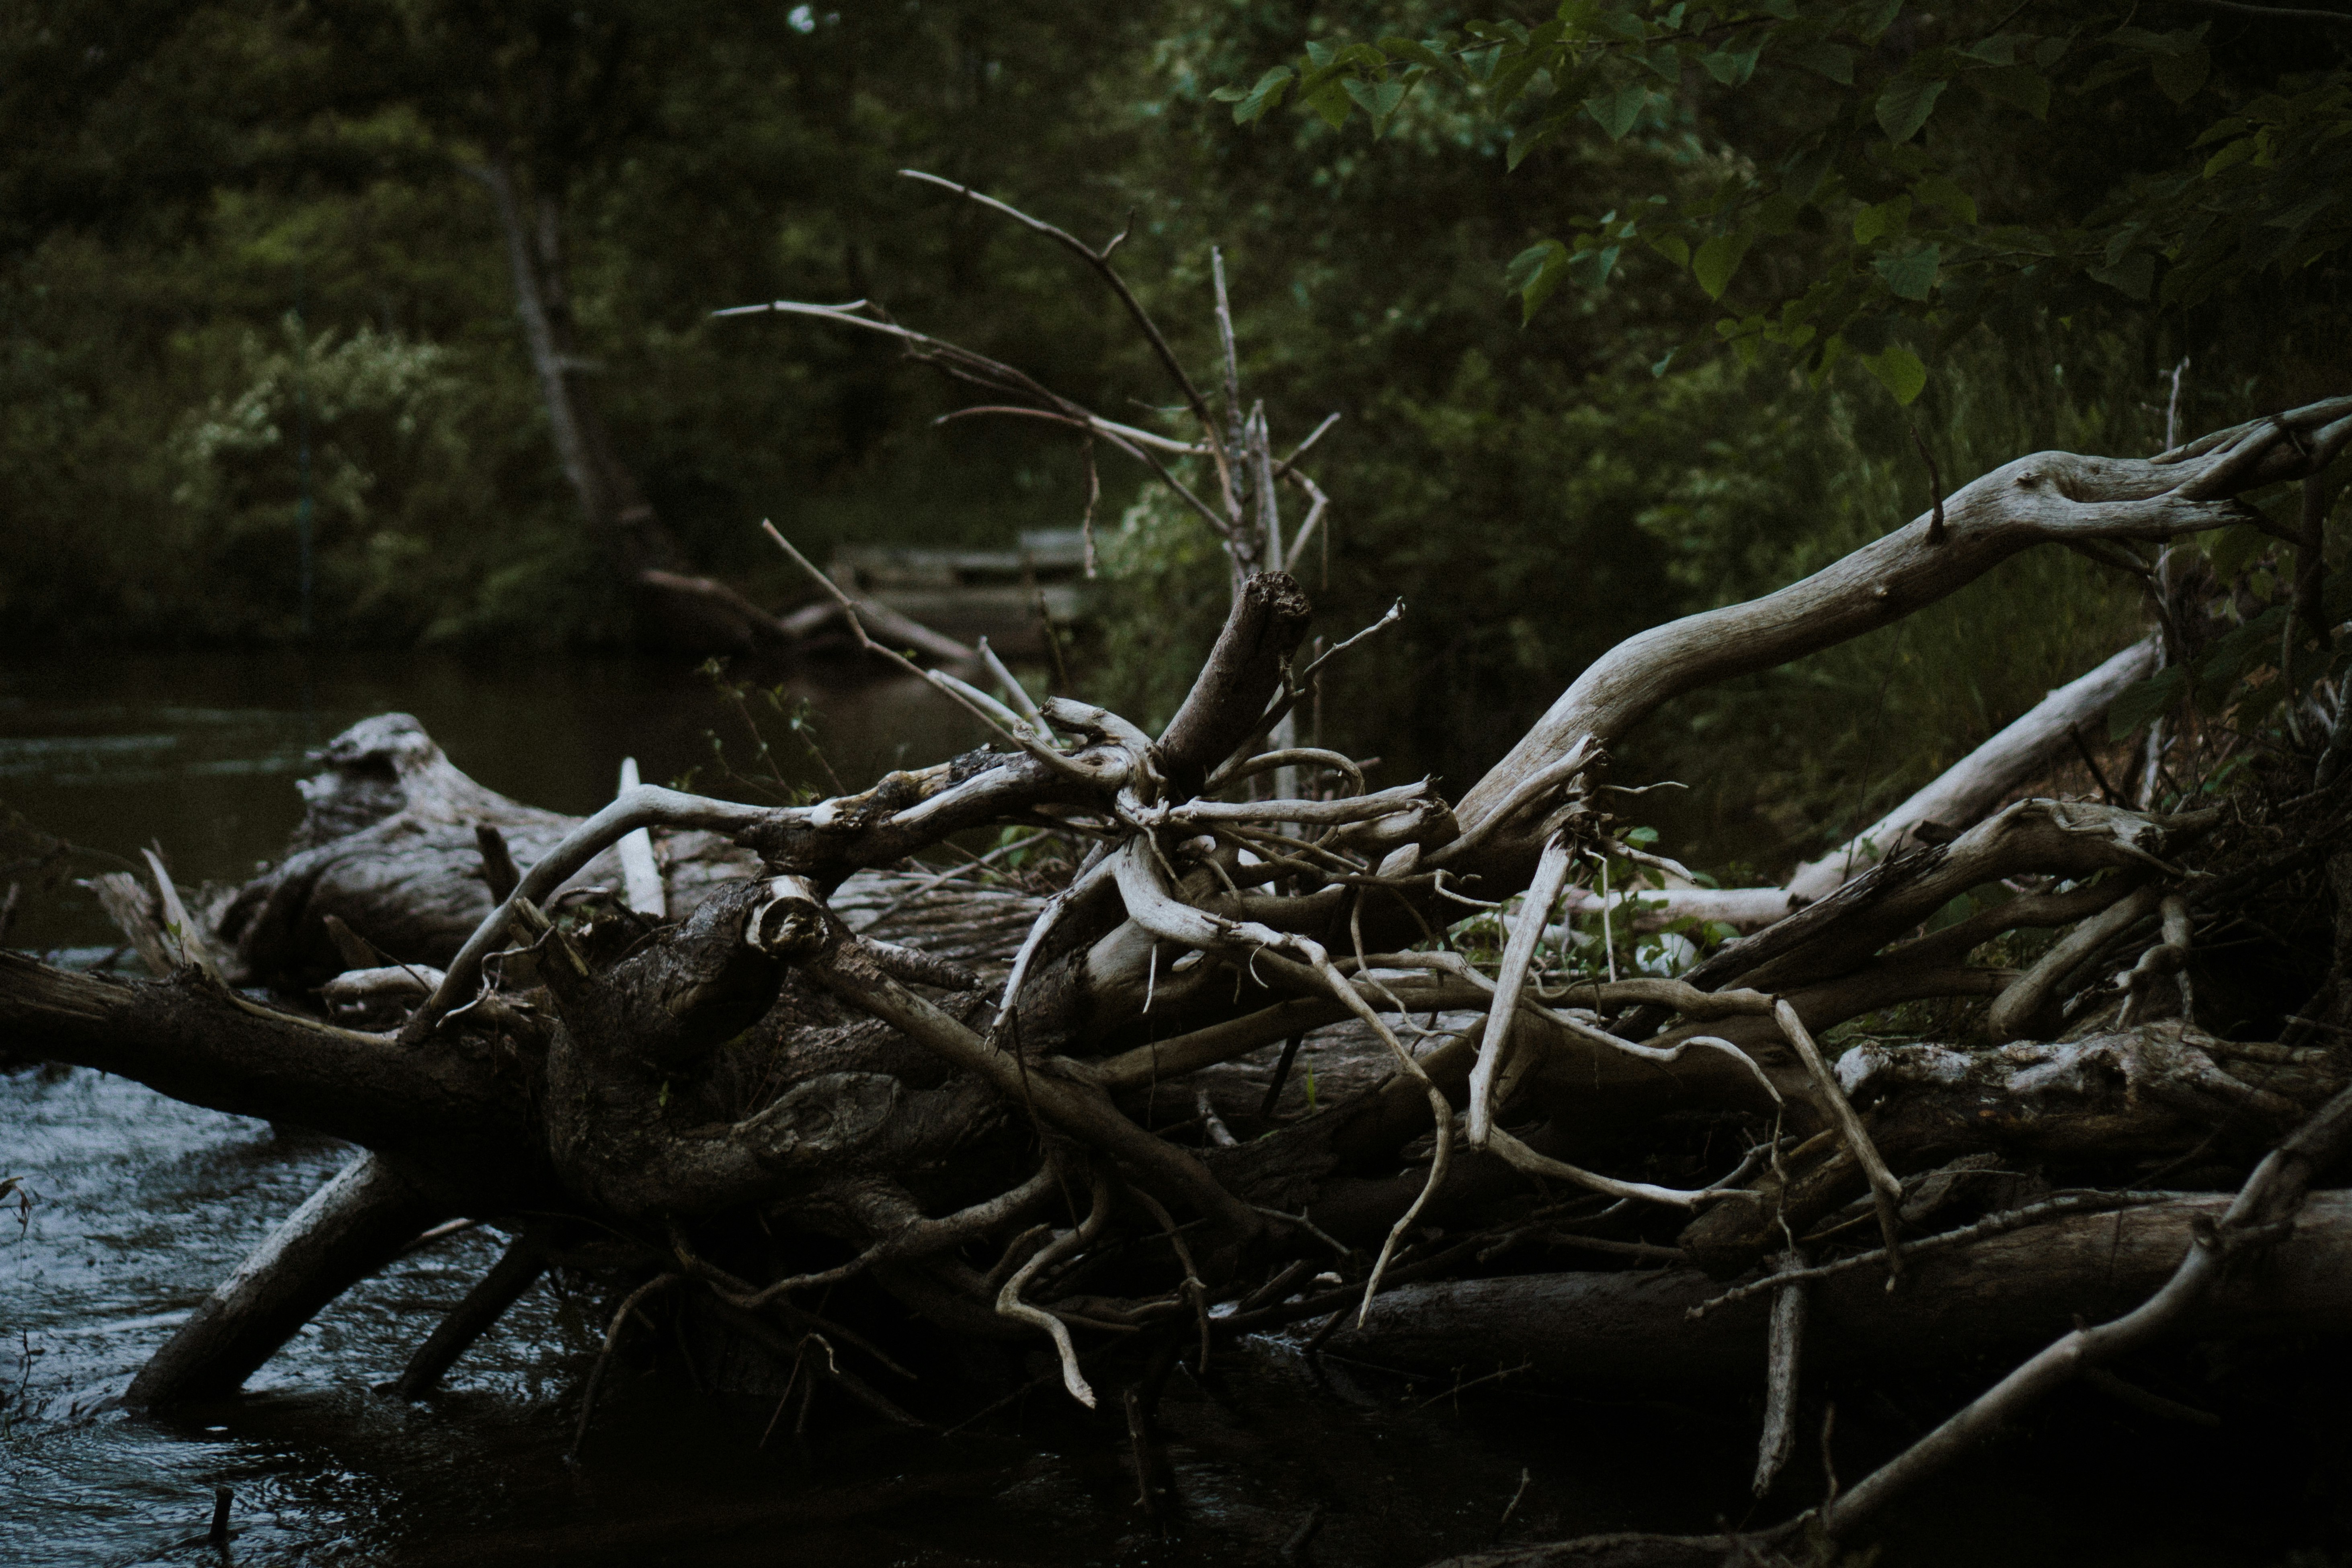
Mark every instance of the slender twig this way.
pixel 1281 1076
pixel 1078 418
pixel 1174 1236
pixel 1886 1192
pixel 970 698
pixel 1013 688
pixel 1087 522
pixel 629 1304
pixel 2280 13
pixel 1099 260
pixel 1236 438
pixel 1497 1375
pixel 1935 485
pixel 1318 504
pixel 1389 618
pixel 1282 469
pixel 982 371
pixel 1310 1227
pixel 2098 774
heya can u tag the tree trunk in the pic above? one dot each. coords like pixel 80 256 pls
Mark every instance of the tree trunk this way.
pixel 1630 1333
pixel 677 609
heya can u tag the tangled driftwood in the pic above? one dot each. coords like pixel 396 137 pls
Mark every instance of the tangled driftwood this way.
pixel 1067 1120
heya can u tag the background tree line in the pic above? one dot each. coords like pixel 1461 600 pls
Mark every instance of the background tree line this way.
pixel 1630 310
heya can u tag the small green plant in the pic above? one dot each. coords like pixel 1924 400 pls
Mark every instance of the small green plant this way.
pixel 767 777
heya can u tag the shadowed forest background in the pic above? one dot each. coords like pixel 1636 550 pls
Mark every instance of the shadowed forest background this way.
pixel 222 225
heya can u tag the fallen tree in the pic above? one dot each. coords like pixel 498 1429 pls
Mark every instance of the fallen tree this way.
pixel 1056 1118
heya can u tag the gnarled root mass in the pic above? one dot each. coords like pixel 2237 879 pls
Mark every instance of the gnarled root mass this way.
pixel 861 1122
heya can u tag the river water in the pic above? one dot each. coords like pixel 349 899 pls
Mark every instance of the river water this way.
pixel 199 754
pixel 140 1204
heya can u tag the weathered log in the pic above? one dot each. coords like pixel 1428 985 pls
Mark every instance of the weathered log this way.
pixel 1624 1331
pixel 389 843
pixel 757 1098
pixel 342 1233
pixel 2161 1088
pixel 454 1115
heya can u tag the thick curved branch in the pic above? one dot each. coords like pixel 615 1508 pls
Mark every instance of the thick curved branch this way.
pixel 1551 875
pixel 344 1232
pixel 1224 707
pixel 2047 498
pixel 647 805
pixel 2024 1008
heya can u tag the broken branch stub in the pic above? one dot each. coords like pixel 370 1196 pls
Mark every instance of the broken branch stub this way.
pixel 1228 700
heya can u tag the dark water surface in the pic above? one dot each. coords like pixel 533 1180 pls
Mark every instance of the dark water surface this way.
pixel 143 1205
pixel 199 753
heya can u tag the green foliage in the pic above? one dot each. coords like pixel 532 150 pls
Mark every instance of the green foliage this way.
pixel 1167 584
pixel 393 428
pixel 2222 676
pixel 1869 199
pixel 175 180
pixel 1604 945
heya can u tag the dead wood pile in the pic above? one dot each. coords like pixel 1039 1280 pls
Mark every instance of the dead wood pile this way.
pixel 748 1068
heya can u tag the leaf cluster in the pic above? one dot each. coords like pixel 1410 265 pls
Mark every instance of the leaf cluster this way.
pixel 1900 214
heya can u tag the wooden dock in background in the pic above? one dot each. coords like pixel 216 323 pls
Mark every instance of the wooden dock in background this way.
pixel 967 595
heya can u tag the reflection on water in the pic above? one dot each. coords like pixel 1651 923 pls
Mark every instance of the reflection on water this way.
pixel 199 753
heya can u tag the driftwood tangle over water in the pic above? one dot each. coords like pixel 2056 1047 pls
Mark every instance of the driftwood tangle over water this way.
pixel 1057 1123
